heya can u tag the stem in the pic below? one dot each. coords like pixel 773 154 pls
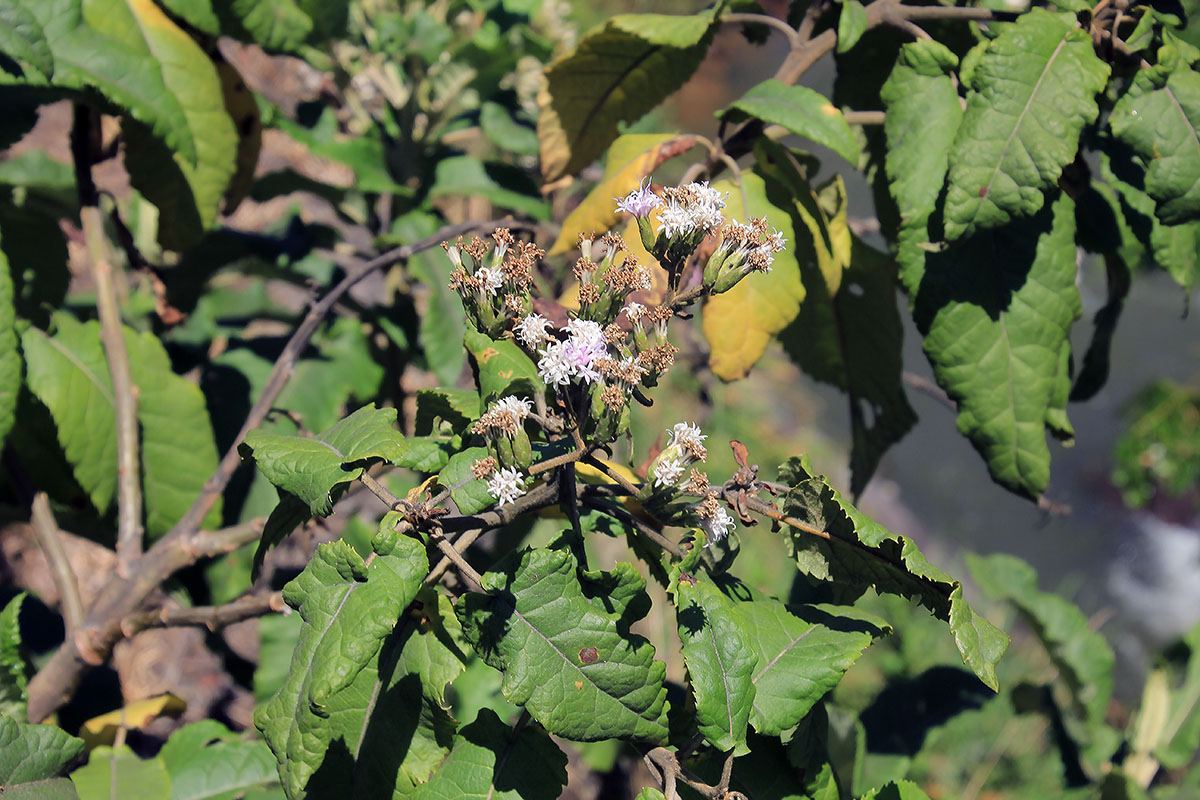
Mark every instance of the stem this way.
pixel 864 117
pixel 456 558
pixel 212 617
pixel 779 25
pixel 460 545
pixel 619 513
pixel 759 507
pixel 112 337
pixel 46 529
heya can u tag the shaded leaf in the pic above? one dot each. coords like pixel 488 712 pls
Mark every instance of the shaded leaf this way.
pixel 995 311
pixel 310 468
pixel 859 553
pixel 442 324
pixel 853 341
pixel 10 355
pixel 458 407
pixel 465 176
pixel 318 723
pixel 1157 117
pixel 802 653
pixel 499 126
pixel 490 762
pixel 1082 656
pixel 739 323
pixel 1156 452
pixel 186 189
pixel 136 715
pixel 572 663
pixel 1034 89
pixel 616 73
pixel 15 668
pixel 899 790
pixel 852 22
pixel 720 663
pixel 630 159
pixel 278 25
pixel 801 110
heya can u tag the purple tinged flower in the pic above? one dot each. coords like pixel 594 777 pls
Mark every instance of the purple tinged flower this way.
pixel 639 202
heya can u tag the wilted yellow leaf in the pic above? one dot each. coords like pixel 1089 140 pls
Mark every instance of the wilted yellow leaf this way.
pixel 103 729
pixel 630 159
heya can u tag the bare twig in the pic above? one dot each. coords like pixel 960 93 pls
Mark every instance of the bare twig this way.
pixel 465 540
pixel 864 117
pixel 212 617
pixel 456 558
pixel 619 513
pixel 793 36
pixel 112 337
pixel 929 389
pixel 46 529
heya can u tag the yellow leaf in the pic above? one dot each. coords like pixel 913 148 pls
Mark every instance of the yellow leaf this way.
pixel 739 323
pixel 631 158
pixel 240 103
pixel 831 232
pixel 103 729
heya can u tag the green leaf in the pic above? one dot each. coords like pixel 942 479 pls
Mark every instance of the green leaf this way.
pixel 1156 452
pixel 15 669
pixel 117 774
pixel 197 13
pixel 207 761
pixel 469 494
pixel 489 762
pixel 321 723
pixel 465 176
pixel 720 663
pixel 426 454
pixel 1083 658
pixel 504 131
pixel 860 553
pixel 458 407
pixel 740 323
pixel 922 117
pixel 802 653
pixel 174 419
pixel 442 324
pixel 852 23
pixel 1157 116
pixel 898 790
pixel 995 311
pixel 311 468
pixel 501 367
pixel 615 74
pixel 853 341
pixel 186 188
pixel 1180 736
pixel 32 753
pixel 10 355
pixel 276 25
pixel 801 110
pixel 650 793
pixel 22 37
pixel 69 373
pixel 1034 90
pixel 569 659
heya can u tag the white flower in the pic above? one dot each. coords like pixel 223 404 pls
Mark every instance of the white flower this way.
pixel 634 311
pixel 675 220
pixel 717 526
pixel 667 472
pixel 492 279
pixel 554 367
pixel 506 485
pixel 639 202
pixel 585 333
pixel 519 407
pixel 531 331
pixel 687 436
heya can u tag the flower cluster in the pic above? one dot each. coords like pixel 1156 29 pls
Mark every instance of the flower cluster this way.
pixel 506 485
pixel 604 279
pixel 493 289
pixel 502 426
pixel 686 446
pixel 714 519
pixel 743 249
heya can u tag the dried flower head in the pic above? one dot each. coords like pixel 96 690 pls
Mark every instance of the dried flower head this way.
pixel 484 467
